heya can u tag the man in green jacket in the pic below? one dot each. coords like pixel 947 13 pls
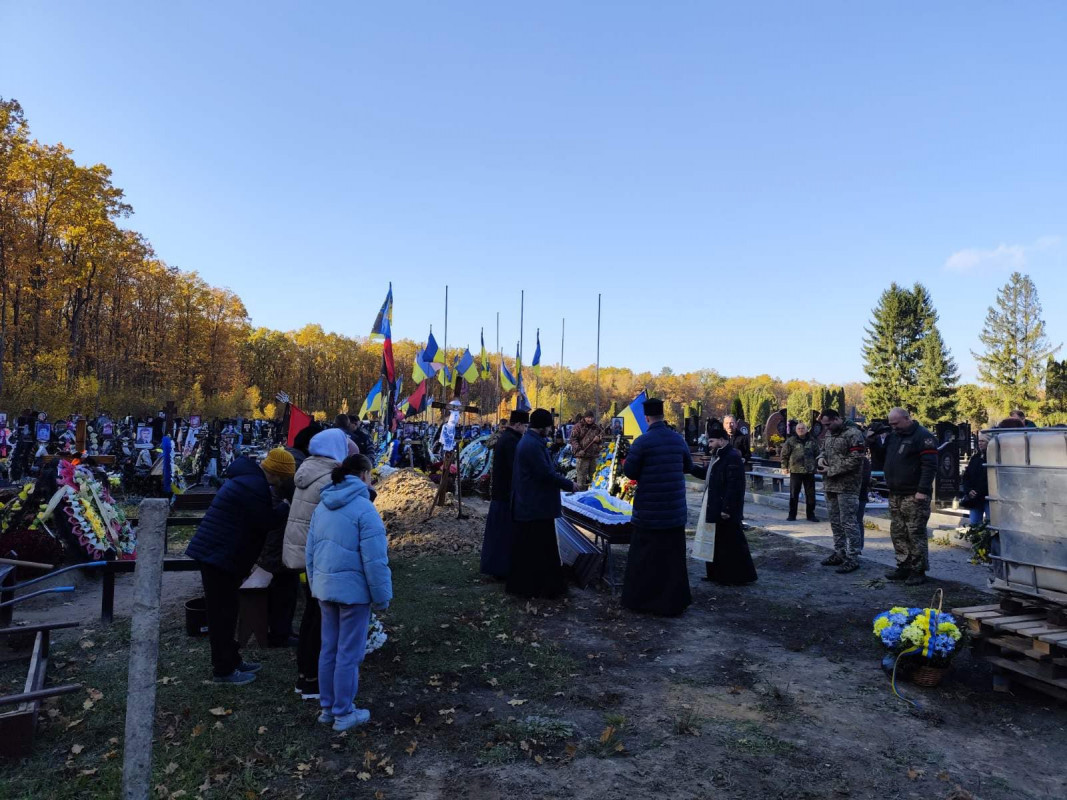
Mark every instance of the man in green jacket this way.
pixel 798 459
pixel 910 467
pixel 841 464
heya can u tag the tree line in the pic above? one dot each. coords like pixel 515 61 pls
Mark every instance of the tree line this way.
pixel 92 319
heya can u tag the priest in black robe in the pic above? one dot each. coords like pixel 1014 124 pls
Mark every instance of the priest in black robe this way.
pixel 731 564
pixel 657 571
pixel 496 544
pixel 536 569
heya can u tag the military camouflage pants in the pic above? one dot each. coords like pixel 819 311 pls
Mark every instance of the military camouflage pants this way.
pixel 844 514
pixel 586 468
pixel 907 529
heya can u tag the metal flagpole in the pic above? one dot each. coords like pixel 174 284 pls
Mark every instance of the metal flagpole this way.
pixel 598 357
pixel 562 336
pixel 500 355
pixel 537 375
pixel 522 312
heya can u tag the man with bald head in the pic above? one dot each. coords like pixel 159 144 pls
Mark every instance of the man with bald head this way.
pixel 910 466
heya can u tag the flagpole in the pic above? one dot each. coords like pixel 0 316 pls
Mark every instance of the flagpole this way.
pixel 522 312
pixel 598 357
pixel 499 394
pixel 562 336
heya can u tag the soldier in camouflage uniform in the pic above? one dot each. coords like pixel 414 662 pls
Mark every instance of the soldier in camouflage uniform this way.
pixel 910 467
pixel 841 463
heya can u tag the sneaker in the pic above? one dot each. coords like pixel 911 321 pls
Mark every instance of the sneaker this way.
pixel 309 690
pixel 249 666
pixel 237 678
pixel 325 718
pixel 848 566
pixel 358 717
pixel 833 560
pixel 916 579
pixel 898 574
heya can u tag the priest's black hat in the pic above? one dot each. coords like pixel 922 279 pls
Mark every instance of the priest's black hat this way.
pixel 541 418
pixel 653 407
pixel 519 418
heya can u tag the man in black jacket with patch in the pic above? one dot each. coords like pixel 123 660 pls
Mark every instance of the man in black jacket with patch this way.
pixel 910 466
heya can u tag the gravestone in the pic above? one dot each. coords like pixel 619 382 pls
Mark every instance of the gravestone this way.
pixel 947 480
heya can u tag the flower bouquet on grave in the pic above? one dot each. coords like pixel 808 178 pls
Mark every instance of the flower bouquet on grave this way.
pixel 924 639
pixel 980 537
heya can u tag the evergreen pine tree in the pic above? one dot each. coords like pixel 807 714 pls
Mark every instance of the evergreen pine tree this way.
pixel 798 406
pixel 1056 387
pixel 971 403
pixel 936 390
pixel 892 349
pixel 736 410
pixel 838 401
pixel 1016 346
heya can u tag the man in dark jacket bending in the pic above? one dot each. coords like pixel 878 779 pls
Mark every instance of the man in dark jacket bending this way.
pixel 657 575
pixel 227 544
pixel 910 466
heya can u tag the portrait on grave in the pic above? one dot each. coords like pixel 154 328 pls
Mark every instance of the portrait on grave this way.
pixel 617 426
pixel 3 419
pixel 144 436
pixel 194 420
pixel 947 483
pixel 44 431
pixel 108 429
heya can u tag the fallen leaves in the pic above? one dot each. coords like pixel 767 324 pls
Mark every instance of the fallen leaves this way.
pixel 76 749
pixel 516 702
pixel 170 769
pixel 410 750
pixel 219 711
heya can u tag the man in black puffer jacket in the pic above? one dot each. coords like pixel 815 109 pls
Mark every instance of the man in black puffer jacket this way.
pixel 657 575
pixel 227 544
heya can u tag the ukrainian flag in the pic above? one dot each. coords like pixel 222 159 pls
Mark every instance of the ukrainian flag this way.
pixel 507 380
pixel 536 365
pixel 633 417
pixel 432 352
pixel 485 358
pixel 424 368
pixel 468 370
pixel 373 401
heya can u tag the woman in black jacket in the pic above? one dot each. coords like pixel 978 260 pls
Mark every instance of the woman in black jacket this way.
pixel 975 484
pixel 732 563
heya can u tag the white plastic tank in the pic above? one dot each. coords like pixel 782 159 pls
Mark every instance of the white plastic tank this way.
pixel 1027 470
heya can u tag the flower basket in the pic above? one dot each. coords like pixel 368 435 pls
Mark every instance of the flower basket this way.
pixel 928 676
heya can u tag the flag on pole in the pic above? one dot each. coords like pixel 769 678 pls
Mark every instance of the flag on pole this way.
pixel 388 365
pixel 633 416
pixel 536 364
pixel 507 380
pixel 484 358
pixel 518 360
pixel 467 368
pixel 298 420
pixel 424 367
pixel 433 353
pixel 384 321
pixel 373 401
pixel 522 401
pixel 418 400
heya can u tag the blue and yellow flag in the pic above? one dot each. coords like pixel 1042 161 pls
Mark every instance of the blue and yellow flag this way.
pixel 484 358
pixel 424 367
pixel 467 369
pixel 536 364
pixel 507 380
pixel 432 352
pixel 633 416
pixel 522 401
pixel 384 321
pixel 373 401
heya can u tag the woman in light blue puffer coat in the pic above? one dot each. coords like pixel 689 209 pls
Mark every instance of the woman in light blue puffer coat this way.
pixel 348 572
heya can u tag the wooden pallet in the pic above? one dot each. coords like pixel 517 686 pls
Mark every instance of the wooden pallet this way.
pixel 1023 641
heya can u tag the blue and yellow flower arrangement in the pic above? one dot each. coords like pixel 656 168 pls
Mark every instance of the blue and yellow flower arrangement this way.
pixel 925 633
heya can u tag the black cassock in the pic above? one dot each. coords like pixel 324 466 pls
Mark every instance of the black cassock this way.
pixel 726 494
pixel 536 570
pixel 499 529
pixel 657 574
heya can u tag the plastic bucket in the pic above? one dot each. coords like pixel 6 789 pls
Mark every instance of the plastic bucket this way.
pixel 196 617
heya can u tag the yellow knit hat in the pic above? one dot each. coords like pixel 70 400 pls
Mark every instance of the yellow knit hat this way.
pixel 280 461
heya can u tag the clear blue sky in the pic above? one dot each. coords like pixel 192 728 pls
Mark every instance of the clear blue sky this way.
pixel 740 180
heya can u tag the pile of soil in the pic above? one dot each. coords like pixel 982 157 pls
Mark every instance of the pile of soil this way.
pixel 405 499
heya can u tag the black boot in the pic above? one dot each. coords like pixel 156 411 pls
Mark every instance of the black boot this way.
pixel 898 574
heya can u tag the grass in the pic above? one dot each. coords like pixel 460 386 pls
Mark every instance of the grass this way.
pixel 750 738
pixel 447 627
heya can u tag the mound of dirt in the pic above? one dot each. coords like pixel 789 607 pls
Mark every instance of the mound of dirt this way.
pixel 405 499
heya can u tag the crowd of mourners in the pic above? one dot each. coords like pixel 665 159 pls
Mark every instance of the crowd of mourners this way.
pixel 305 514
pixel 307 509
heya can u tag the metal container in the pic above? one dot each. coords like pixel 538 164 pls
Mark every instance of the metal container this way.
pixel 1027 470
